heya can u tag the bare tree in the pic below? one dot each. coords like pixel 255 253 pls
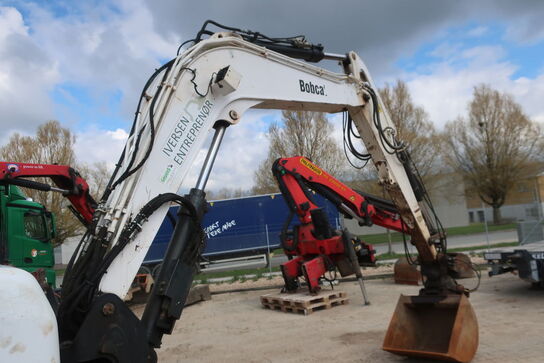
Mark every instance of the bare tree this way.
pixel 226 193
pixel 302 134
pixel 413 127
pixel 492 148
pixel 97 176
pixel 52 144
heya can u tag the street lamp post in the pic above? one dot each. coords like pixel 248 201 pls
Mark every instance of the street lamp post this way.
pixel 485 224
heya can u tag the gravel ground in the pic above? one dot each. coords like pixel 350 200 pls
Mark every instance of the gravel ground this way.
pixel 234 327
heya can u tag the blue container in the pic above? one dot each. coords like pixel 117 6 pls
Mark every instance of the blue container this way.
pixel 238 227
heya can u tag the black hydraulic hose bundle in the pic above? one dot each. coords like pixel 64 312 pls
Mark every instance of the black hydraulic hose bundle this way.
pixel 348 132
pixel 392 146
pixel 83 275
pixel 113 182
pixel 172 285
pixel 294 47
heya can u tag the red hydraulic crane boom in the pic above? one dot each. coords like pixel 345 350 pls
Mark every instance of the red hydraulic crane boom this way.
pixel 67 180
pixel 314 247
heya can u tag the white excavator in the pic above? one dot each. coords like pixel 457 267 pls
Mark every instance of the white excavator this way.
pixel 206 89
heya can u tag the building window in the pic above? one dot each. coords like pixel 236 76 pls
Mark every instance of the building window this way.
pixel 531 212
pixel 481 218
pixel 471 217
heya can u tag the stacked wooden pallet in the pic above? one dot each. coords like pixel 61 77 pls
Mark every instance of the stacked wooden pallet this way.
pixel 303 302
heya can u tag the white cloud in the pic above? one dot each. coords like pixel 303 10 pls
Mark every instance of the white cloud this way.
pixel 446 50
pixel 100 49
pixel 445 88
pixel 27 74
pixel 99 145
pixel 485 54
pixel 244 147
pixel 527 29
pixel 11 22
pixel 115 46
pixel 477 31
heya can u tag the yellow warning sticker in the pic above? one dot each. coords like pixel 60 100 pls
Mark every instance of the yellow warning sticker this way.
pixel 311 166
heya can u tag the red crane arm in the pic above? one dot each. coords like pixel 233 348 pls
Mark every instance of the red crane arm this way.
pixel 67 180
pixel 297 174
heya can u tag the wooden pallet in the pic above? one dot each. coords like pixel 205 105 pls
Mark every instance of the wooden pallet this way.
pixel 304 303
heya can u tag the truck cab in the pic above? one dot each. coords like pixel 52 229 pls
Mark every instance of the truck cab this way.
pixel 26 233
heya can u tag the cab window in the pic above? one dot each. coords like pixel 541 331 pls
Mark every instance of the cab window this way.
pixel 34 226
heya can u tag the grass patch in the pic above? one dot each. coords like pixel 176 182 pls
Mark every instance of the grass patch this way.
pixel 235 274
pixel 483 247
pixel 257 277
pixel 390 256
pixel 239 275
pixel 474 228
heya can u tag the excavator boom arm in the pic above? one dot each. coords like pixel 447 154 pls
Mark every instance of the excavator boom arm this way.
pixel 193 98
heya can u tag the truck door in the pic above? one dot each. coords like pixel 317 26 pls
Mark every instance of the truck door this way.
pixel 29 238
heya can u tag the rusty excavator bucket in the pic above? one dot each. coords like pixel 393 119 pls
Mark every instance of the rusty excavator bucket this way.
pixel 462 266
pixel 408 274
pixel 435 327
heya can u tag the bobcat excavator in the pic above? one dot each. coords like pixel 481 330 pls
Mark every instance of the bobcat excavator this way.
pixel 206 89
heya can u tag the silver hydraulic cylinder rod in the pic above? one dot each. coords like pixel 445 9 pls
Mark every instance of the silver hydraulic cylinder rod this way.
pixel 220 128
pixel 334 56
pixel 363 290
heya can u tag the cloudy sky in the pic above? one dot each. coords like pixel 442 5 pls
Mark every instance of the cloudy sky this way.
pixel 84 62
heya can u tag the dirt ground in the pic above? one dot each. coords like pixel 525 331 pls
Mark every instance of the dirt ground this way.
pixel 234 327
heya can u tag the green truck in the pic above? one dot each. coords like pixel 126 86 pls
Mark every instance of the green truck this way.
pixel 26 233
